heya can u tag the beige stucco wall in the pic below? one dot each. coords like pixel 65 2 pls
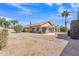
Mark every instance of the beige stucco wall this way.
pixel 46 25
pixel 47 30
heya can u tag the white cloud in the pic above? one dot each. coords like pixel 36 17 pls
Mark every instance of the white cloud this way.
pixel 23 9
pixel 20 7
pixel 75 9
pixel 75 6
pixel 58 4
pixel 61 9
pixel 57 16
pixel 49 4
pixel 24 12
pixel 7 18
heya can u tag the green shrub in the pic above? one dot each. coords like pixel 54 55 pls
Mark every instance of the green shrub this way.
pixel 18 28
pixel 63 28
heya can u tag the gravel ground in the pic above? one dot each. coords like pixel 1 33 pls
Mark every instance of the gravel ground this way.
pixel 29 44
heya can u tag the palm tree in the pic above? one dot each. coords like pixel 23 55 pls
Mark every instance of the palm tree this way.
pixel 65 14
pixel 30 26
pixel 14 22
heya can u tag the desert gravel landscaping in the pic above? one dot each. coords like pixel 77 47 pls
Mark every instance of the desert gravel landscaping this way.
pixel 30 44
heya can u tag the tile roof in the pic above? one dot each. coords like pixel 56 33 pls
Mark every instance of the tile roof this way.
pixel 39 24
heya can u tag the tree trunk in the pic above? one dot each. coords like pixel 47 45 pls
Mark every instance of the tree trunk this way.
pixel 66 23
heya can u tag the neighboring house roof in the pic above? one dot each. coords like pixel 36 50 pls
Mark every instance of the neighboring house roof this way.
pixel 39 24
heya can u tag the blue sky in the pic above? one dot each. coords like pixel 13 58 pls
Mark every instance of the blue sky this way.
pixel 37 12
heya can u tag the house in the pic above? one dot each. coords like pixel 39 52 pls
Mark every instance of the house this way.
pixel 42 27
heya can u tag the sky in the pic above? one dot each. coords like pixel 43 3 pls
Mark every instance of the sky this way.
pixel 37 12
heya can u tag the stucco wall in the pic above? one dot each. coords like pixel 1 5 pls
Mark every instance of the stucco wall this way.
pixel 46 25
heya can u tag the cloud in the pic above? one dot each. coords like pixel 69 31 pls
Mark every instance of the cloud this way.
pixel 56 16
pixel 58 4
pixel 75 6
pixel 20 7
pixel 49 4
pixel 24 12
pixel 62 8
pixel 23 9
pixel 7 18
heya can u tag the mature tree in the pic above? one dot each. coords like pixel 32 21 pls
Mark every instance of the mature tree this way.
pixel 62 28
pixel 2 21
pixel 7 24
pixel 14 22
pixel 65 14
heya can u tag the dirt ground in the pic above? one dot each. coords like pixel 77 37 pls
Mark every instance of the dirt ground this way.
pixel 30 44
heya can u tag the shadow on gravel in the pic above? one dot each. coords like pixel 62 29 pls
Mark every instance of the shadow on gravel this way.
pixel 72 48
pixel 63 36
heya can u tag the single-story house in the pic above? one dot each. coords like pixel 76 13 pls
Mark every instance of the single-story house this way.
pixel 42 27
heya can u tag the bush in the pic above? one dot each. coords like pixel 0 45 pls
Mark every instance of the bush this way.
pixel 63 28
pixel 3 38
pixel 18 28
